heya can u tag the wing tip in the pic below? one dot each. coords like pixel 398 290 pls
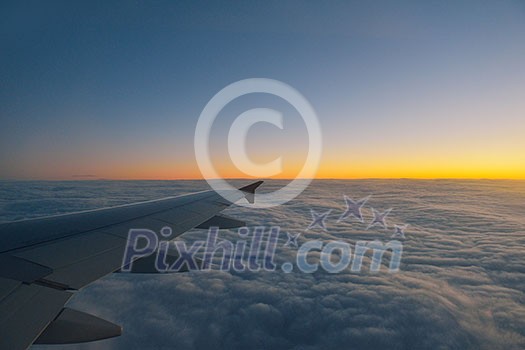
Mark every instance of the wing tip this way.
pixel 250 191
pixel 251 187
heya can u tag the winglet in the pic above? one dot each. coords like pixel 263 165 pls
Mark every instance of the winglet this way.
pixel 250 191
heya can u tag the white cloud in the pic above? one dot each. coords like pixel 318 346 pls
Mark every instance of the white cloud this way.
pixel 460 286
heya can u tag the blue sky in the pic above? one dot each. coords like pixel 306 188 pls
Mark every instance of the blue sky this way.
pixel 114 89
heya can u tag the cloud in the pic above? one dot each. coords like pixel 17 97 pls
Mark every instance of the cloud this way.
pixel 460 286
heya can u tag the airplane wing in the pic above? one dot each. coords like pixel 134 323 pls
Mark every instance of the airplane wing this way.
pixel 44 261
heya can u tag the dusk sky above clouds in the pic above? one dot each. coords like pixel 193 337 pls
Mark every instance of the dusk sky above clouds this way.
pixel 402 89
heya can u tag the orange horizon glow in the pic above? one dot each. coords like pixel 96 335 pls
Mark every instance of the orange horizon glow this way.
pixel 394 163
pixel 324 173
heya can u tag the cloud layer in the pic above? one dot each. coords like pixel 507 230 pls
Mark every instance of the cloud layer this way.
pixel 460 286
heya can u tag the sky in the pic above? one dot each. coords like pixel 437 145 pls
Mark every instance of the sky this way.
pixel 114 89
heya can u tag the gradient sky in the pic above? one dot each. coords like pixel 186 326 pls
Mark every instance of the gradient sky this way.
pixel 113 89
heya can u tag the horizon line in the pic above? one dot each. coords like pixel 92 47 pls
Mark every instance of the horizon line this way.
pixel 267 179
